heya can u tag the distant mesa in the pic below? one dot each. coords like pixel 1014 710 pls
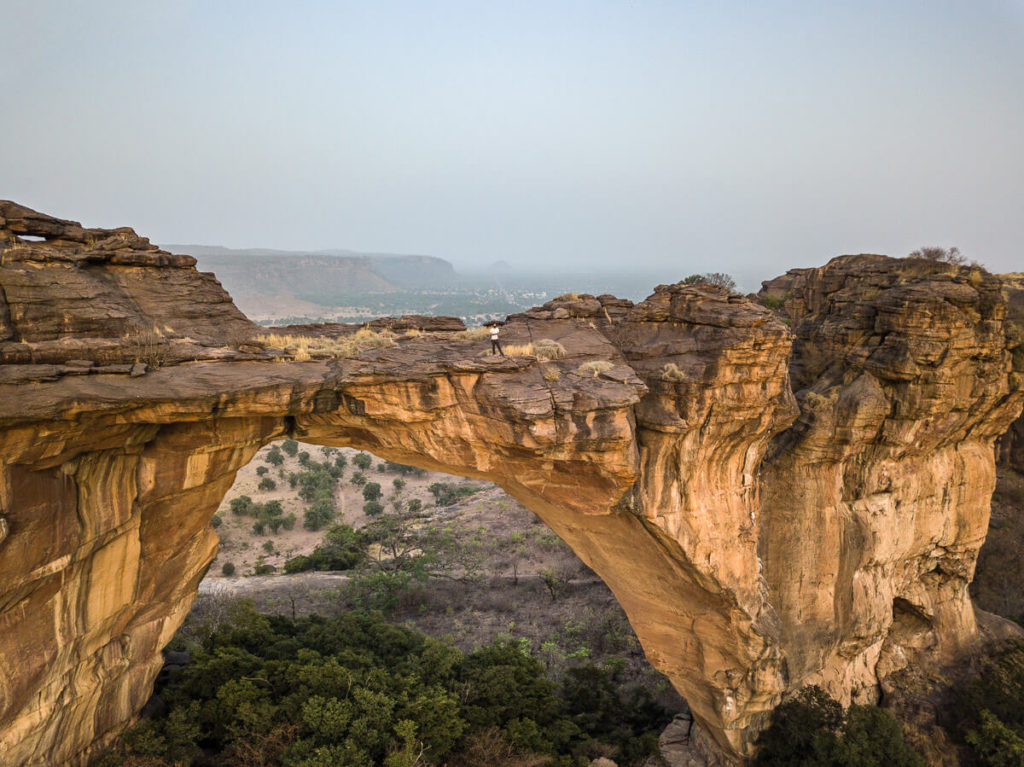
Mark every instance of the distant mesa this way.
pixel 317 276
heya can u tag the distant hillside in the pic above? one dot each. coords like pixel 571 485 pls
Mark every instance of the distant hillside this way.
pixel 318 276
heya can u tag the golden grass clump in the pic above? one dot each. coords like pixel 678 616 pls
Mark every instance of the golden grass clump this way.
pixel 595 366
pixel 547 349
pixel 302 348
pixel 671 372
pixel 550 373
pixel 519 350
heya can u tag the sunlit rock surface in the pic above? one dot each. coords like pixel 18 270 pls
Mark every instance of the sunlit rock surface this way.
pixel 777 498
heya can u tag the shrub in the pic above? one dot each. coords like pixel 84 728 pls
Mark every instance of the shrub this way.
pixel 551 373
pixel 990 708
pixel 671 372
pixel 595 366
pixel 371 491
pixel 241 506
pixel 712 278
pixel 362 460
pixel 340 461
pixel 274 456
pixel 216 521
pixel 267 484
pixel 318 515
pixel 812 729
pixel 228 568
pixel 291 447
pixel 934 253
pixel 404 470
pixel 373 508
pixel 261 470
pixel 547 349
pixel 357 478
pixel 263 569
pixel 398 483
pixel 415 505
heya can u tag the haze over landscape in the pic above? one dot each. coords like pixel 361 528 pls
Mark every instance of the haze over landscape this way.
pixel 573 135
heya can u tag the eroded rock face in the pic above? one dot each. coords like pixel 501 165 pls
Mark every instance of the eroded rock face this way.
pixel 758 539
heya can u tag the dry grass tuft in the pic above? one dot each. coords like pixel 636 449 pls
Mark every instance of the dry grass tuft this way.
pixel 546 349
pixel 550 373
pixel 302 348
pixel 595 366
pixel 671 372
pixel 519 350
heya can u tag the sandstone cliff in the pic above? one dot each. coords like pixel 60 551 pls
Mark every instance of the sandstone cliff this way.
pixel 776 499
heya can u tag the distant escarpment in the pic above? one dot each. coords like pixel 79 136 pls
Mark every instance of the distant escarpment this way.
pixel 780 492
pixel 321 276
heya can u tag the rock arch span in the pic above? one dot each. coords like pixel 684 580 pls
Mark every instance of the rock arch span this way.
pixel 769 495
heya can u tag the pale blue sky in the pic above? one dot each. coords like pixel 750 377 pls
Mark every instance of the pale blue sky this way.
pixel 678 135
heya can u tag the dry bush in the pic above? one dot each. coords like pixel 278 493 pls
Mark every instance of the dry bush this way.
pixel 303 348
pixel 547 349
pixel 551 373
pixel 490 749
pixel 671 372
pixel 595 366
pixel 148 346
pixel 474 334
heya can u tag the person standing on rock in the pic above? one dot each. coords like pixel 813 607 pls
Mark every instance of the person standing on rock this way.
pixel 495 343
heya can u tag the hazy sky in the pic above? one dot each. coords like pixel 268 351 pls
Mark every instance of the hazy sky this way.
pixel 685 135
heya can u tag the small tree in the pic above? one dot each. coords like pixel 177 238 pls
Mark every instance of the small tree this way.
pixel 358 479
pixel 267 484
pixel 290 446
pixel 371 491
pixel 399 484
pixel 241 506
pixel 261 470
pixel 945 255
pixel 228 568
pixel 712 278
pixel 362 460
pixel 373 508
pixel 274 457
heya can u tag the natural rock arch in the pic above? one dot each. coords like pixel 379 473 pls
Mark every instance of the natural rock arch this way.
pixel 758 540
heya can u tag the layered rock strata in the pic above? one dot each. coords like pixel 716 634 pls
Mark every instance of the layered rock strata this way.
pixel 775 497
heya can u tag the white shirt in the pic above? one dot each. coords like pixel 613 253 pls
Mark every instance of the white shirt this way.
pixel 494 334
